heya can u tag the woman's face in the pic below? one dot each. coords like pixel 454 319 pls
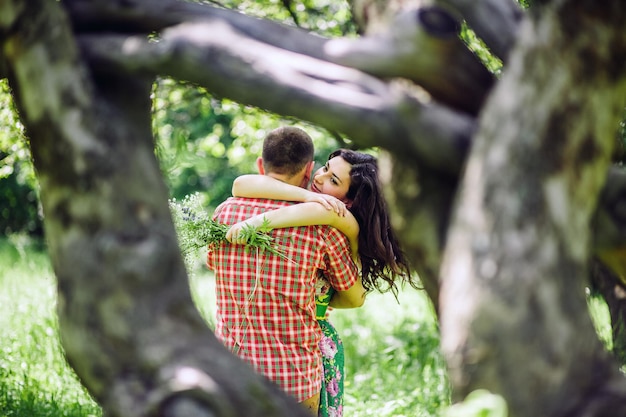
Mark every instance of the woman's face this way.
pixel 333 178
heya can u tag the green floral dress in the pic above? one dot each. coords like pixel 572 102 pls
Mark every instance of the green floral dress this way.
pixel 331 395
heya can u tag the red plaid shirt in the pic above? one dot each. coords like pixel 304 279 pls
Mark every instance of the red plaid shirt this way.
pixel 266 302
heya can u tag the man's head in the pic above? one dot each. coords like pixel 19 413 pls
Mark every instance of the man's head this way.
pixel 287 155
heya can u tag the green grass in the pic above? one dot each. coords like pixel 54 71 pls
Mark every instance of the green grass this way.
pixel 393 365
pixel 35 380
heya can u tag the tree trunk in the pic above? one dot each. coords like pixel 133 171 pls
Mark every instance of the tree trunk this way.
pixel 513 310
pixel 128 323
pixel 420 207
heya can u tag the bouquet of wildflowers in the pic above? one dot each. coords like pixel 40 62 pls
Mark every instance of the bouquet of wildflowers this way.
pixel 196 229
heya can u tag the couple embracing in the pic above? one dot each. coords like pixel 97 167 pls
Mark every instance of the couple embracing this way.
pixel 335 244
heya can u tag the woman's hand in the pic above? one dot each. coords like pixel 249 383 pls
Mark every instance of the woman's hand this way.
pixel 235 233
pixel 328 202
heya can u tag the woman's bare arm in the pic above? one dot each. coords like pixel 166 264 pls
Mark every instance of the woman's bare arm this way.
pixel 264 186
pixel 304 214
pixel 351 298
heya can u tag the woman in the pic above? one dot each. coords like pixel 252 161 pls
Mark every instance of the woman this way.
pixel 349 179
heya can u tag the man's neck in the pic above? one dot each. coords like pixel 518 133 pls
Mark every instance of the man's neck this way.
pixel 283 178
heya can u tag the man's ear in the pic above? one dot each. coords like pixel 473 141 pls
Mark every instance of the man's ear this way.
pixel 308 172
pixel 259 165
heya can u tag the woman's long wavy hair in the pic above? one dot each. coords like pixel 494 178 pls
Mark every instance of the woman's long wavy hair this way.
pixel 382 259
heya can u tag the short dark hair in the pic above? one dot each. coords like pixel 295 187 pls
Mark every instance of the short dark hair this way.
pixel 286 150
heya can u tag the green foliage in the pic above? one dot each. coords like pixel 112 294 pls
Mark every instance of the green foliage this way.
pixel 19 209
pixel 192 135
pixel 13 147
pixel 204 143
pixel 601 317
pixel 474 43
pixel 19 206
pixel 326 17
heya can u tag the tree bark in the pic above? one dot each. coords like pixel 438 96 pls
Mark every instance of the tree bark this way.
pixel 281 81
pixel 416 46
pixel 421 44
pixel 516 260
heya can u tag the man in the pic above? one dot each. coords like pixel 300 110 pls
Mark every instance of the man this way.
pixel 265 301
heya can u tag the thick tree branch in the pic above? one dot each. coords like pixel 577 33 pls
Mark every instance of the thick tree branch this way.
pixel 333 96
pixel 422 45
pixel 516 259
pixel 141 16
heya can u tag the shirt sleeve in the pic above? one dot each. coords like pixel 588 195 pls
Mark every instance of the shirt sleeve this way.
pixel 342 272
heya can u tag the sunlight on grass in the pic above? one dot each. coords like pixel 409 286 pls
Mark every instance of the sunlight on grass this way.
pixel 393 364
pixel 34 377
